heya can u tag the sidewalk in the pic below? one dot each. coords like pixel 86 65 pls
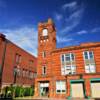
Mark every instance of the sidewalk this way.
pixel 37 98
pixel 44 98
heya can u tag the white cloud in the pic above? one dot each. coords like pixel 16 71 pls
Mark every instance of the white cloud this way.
pixel 94 30
pixel 71 5
pixel 63 39
pixel 67 41
pixel 25 37
pixel 73 20
pixel 82 32
pixel 70 15
pixel 91 31
pixel 58 16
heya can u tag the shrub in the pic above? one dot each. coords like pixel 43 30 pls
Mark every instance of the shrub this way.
pixel 18 91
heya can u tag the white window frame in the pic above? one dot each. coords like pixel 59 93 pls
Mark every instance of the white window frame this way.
pixel 63 67
pixel 88 54
pixel 89 68
pixel 60 87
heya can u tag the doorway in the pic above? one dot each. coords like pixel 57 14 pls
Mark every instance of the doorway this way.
pixel 44 89
pixel 77 89
pixel 95 89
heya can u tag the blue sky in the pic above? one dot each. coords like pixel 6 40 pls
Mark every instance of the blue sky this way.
pixel 76 21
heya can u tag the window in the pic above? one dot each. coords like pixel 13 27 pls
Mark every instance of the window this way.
pixel 72 57
pixel 31 62
pixel 68 64
pixel 91 55
pixel 85 55
pixel 18 58
pixel 44 70
pixel 62 58
pixel 89 61
pixel 43 54
pixel 17 71
pixel 60 87
pixel 35 75
pixel 31 75
pixel 27 73
pixel 24 73
pixel 67 57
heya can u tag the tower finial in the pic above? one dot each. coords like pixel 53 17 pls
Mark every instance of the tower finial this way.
pixel 50 21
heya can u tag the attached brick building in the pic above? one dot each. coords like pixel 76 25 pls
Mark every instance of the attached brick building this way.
pixel 66 72
pixel 16 65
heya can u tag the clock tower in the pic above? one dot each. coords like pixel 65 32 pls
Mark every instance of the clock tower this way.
pixel 46 36
pixel 46 44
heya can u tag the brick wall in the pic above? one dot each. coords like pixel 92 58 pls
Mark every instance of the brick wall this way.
pixel 53 62
pixel 9 64
pixel 79 60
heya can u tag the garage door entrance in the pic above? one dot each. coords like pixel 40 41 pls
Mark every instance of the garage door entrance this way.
pixel 77 90
pixel 95 89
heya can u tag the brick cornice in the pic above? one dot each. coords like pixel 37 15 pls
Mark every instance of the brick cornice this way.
pixel 88 45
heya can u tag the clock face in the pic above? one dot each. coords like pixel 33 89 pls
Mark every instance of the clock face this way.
pixel 45 32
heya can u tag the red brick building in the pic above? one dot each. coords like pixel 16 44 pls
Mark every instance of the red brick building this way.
pixel 16 65
pixel 70 72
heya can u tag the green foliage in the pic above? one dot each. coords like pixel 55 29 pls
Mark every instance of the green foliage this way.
pixel 8 91
pixel 28 91
pixel 18 91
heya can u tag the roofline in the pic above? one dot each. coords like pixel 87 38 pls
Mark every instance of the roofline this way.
pixel 3 36
pixel 81 46
pixel 22 49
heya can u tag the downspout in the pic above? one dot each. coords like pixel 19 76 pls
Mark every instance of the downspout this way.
pixel 3 60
